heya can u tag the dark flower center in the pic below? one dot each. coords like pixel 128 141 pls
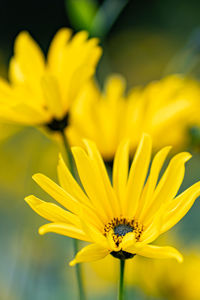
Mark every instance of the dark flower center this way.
pixel 119 227
pixel 58 125
pixel 122 229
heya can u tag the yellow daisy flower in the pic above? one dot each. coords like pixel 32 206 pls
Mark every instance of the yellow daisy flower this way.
pixel 40 92
pixel 170 105
pixel 122 218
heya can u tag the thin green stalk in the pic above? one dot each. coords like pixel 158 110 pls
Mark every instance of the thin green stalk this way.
pixel 79 274
pixel 75 242
pixel 69 154
pixel 121 280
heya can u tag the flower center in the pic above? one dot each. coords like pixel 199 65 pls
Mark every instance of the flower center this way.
pixel 122 229
pixel 58 125
pixel 119 227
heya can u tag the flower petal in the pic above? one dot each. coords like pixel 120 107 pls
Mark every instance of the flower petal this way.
pixel 153 251
pixel 64 229
pixel 56 49
pixel 90 253
pixel 95 235
pixel 52 95
pixel 169 184
pixel 147 193
pixel 120 171
pixel 115 87
pixel 91 182
pixel 178 207
pixel 52 212
pixel 69 184
pixel 97 161
pixel 56 192
pixel 138 173
pixel 28 62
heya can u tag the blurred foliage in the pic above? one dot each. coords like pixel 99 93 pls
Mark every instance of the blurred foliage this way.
pixel 96 19
pixel 81 13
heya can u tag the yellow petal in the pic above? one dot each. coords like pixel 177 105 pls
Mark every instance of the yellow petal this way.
pixel 115 87
pixel 178 207
pixel 52 212
pixel 69 184
pixel 153 230
pixel 120 171
pixel 156 166
pixel 112 245
pixel 90 253
pixel 77 81
pixel 138 173
pixel 79 59
pixel 5 92
pixel 91 182
pixel 29 58
pixel 160 252
pixel 97 161
pixel 169 184
pixel 56 49
pixel 95 235
pixel 56 192
pixel 52 96
pixel 24 114
pixel 64 229
pixel 92 216
pixel 128 240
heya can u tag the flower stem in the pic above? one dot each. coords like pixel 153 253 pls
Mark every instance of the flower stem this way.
pixel 69 153
pixel 121 280
pixel 75 242
pixel 78 274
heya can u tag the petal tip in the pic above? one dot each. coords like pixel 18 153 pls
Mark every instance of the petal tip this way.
pixel 179 258
pixel 41 230
pixel 35 176
pixel 72 263
pixel 27 199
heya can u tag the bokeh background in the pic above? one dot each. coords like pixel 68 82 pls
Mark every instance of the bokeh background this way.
pixel 143 40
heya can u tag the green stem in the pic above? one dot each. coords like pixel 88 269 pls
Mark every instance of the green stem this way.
pixel 69 153
pixel 75 242
pixel 78 273
pixel 121 280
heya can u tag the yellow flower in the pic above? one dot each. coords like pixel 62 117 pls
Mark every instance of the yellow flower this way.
pixel 170 105
pixel 40 92
pixel 169 280
pixel 121 219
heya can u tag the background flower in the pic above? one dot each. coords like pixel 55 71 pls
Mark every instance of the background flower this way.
pixel 170 105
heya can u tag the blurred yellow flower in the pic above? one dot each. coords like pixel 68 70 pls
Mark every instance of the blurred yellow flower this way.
pixel 170 281
pixel 165 109
pixel 41 92
pixel 122 219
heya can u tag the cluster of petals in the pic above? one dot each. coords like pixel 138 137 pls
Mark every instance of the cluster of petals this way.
pixel 170 105
pixel 40 89
pixel 136 194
